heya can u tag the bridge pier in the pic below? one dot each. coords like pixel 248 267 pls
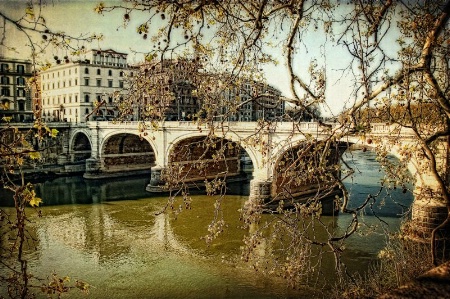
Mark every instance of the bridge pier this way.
pixel 93 167
pixel 63 159
pixel 428 212
pixel 156 183
pixel 260 190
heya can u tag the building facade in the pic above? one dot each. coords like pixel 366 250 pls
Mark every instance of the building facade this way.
pixel 170 89
pixel 71 91
pixel 167 88
pixel 16 93
pixel 255 100
pixel 155 90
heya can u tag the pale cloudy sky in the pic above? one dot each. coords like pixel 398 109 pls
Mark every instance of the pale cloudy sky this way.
pixel 77 17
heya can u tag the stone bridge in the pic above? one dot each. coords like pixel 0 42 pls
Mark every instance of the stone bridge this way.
pixel 108 149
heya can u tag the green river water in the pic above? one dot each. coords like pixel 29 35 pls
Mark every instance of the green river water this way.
pixel 107 233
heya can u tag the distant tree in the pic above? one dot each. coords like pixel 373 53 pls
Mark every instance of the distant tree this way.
pixel 406 114
pixel 296 113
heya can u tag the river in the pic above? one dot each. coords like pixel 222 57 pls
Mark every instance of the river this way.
pixel 107 233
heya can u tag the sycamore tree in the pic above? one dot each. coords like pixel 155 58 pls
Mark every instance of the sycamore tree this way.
pixel 394 63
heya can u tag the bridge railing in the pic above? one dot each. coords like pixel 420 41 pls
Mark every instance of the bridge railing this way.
pixel 381 128
pixel 307 127
pixel 390 129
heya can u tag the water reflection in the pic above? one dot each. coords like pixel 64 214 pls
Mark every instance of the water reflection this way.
pixel 126 251
pixel 72 190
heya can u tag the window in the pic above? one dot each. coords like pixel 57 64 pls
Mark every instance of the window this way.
pixel 76 81
pixel 121 74
pixel 86 98
pixel 5 80
pixel 5 67
pixel 6 91
pixel 20 69
pixel 86 70
pixel 76 98
pixel 20 81
pixel 110 99
pixel 99 98
pixel 21 105
pixel 98 58
pixel 109 72
pixel 121 84
pixel 98 72
pixel 86 81
pixel 110 83
pixel 99 82
pixel 20 92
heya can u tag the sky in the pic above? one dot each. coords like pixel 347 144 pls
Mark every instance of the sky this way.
pixel 77 17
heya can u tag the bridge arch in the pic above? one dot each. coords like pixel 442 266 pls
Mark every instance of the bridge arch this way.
pixel 195 158
pixel 126 151
pixel 253 153
pixel 300 170
pixel 80 146
pixel 396 149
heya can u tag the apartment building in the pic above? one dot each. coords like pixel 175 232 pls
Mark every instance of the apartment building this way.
pixel 168 88
pixel 255 100
pixel 70 91
pixel 15 101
